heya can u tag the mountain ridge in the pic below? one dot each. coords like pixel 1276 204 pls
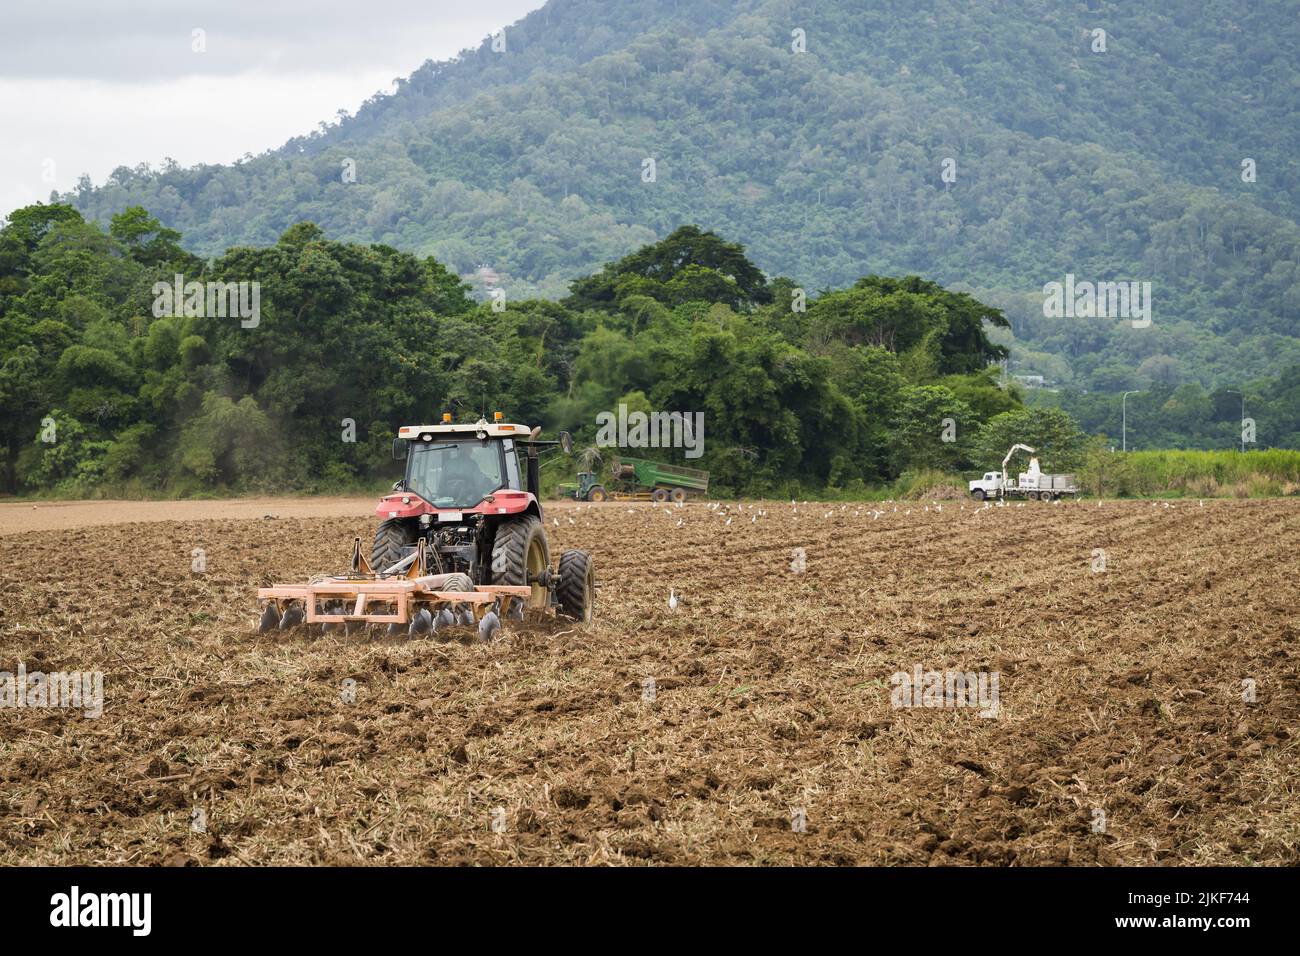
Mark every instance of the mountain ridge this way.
pixel 827 165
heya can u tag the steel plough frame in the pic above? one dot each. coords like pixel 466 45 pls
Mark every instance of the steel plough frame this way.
pixel 402 594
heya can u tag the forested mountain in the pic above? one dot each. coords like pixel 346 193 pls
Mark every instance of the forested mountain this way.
pixel 1108 158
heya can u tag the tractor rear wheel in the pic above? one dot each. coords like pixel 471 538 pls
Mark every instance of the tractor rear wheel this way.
pixel 391 538
pixel 577 590
pixel 597 494
pixel 520 553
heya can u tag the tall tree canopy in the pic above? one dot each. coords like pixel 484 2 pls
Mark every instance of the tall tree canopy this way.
pixel 101 390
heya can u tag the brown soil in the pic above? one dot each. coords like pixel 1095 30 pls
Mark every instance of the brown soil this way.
pixel 18 516
pixel 940 493
pixel 1121 691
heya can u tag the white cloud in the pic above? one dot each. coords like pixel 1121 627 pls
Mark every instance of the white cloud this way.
pixel 70 127
pixel 91 86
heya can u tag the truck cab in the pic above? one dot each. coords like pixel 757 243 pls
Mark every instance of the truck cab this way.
pixel 990 486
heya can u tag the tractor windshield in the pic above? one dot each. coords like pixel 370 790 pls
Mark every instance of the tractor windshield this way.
pixel 454 474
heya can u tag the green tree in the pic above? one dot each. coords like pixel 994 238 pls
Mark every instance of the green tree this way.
pixel 229 443
pixel 690 264
pixel 149 242
pixel 1055 435
pixel 932 429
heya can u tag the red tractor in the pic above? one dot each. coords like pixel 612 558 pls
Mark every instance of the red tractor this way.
pixel 460 541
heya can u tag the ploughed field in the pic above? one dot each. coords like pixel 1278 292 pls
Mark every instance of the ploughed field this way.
pixel 1145 713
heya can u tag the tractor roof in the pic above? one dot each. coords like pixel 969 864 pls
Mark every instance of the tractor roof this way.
pixel 492 429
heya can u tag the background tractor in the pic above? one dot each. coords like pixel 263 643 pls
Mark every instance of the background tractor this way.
pixel 638 479
pixel 460 537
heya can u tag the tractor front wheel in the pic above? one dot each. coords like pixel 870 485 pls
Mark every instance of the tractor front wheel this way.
pixel 520 555
pixel 577 590
pixel 392 537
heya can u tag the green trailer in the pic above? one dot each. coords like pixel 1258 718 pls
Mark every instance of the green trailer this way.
pixel 639 479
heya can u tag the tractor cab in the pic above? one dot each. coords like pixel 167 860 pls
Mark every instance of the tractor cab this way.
pixel 452 466
pixel 455 469
pixel 587 480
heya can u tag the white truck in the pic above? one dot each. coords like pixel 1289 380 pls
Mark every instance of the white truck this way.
pixel 1032 484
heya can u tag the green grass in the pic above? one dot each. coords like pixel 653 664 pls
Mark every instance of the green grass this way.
pixel 1254 474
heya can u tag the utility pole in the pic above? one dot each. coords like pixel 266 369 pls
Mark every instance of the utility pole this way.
pixel 1123 402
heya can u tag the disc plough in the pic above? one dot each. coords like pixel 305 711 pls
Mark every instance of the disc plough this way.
pixel 404 597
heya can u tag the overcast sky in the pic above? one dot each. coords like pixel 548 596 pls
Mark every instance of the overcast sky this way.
pixel 89 85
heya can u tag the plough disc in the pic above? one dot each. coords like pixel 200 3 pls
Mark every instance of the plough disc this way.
pixel 419 605
pixel 403 597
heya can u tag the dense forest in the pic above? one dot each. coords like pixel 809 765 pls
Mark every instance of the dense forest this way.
pixel 991 148
pixel 104 392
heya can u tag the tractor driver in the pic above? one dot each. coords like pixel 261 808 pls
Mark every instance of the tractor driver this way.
pixel 462 477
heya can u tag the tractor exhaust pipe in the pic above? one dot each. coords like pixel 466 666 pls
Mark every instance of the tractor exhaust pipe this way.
pixel 532 471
